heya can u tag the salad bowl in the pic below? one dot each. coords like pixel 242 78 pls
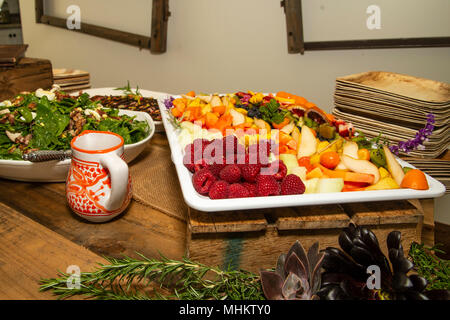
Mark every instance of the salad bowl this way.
pixel 56 171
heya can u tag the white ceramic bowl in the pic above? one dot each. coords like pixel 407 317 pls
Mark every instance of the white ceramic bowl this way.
pixel 145 93
pixel 56 171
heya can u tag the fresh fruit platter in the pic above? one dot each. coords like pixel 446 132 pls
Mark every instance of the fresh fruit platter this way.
pixel 250 150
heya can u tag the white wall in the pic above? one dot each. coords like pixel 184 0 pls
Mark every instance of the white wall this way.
pixel 227 45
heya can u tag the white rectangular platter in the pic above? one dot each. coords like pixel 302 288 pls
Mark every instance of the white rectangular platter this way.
pixel 202 203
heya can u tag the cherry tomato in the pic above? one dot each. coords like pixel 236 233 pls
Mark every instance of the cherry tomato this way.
pixel 363 154
pixel 330 159
pixel 305 162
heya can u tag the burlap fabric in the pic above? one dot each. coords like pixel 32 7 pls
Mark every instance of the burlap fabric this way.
pixel 155 181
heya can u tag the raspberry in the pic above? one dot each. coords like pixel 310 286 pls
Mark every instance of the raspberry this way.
pixel 215 168
pixel 188 162
pixel 237 190
pixel 219 190
pixel 277 169
pixel 202 180
pixel 200 164
pixel 230 144
pixel 250 172
pixel 251 187
pixel 231 173
pixel 292 184
pixel 267 186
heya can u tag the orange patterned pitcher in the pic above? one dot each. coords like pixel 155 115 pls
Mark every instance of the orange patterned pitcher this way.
pixel 98 186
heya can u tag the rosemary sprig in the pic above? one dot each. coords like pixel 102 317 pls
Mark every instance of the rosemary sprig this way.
pixel 431 267
pixel 127 90
pixel 186 280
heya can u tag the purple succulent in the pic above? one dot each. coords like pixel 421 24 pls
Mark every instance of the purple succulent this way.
pixel 297 275
pixel 418 141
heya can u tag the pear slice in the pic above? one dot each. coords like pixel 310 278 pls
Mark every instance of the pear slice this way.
pixel 395 169
pixel 308 143
pixel 361 166
pixel 261 124
pixel 288 128
pixel 350 149
pixel 296 134
pixel 238 118
pixel 205 98
pixel 216 102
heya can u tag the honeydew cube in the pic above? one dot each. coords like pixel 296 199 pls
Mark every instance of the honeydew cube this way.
pixel 300 172
pixel 311 185
pixel 330 185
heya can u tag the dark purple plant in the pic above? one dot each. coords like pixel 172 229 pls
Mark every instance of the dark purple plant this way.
pixel 169 102
pixel 297 275
pixel 418 141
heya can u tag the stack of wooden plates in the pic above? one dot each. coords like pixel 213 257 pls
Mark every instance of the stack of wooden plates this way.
pixel 437 168
pixel 397 106
pixel 71 80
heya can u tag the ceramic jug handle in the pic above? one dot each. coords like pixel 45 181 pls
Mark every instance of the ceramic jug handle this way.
pixel 118 172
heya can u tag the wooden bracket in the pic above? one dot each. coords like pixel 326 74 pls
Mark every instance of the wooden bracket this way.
pixel 294 25
pixel 157 43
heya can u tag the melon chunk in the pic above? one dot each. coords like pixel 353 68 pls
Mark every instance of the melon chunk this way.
pixel 311 185
pixel 330 185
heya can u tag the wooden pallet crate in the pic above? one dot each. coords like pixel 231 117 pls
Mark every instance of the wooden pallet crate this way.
pixel 252 240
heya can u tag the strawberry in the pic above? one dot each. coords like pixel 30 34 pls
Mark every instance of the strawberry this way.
pixel 231 173
pixel 267 186
pixel 202 180
pixel 292 184
pixel 237 190
pixel 219 190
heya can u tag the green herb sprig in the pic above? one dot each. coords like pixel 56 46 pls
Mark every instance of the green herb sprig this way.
pixel 270 112
pixel 127 90
pixel 431 267
pixel 185 279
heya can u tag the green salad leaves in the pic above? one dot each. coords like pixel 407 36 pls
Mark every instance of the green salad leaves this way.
pixel 34 123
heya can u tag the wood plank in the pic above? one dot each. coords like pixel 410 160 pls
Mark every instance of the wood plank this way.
pixel 139 228
pixel 426 207
pixel 160 17
pixel 29 252
pixel 102 32
pixel 442 231
pixel 384 212
pixel 311 217
pixel 28 75
pixel 294 25
pixel 238 221
pixel 39 10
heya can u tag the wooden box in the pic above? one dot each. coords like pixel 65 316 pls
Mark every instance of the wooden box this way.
pixel 28 75
pixel 252 240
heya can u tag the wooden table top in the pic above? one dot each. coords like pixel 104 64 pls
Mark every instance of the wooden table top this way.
pixel 39 235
